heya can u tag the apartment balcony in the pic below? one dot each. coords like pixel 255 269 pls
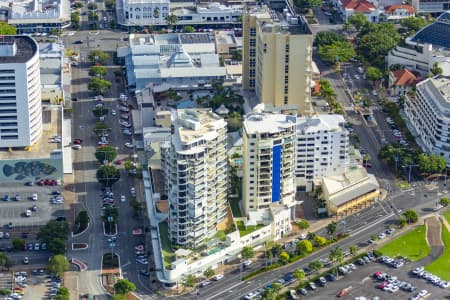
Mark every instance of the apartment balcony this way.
pixel 265 170
pixel 265 176
pixel 265 151
pixel 264 189
pixel 265 158
pixel 264 164
pixel 264 182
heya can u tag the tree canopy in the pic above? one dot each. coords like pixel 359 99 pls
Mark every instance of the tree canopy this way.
pixel 308 3
pixel 97 71
pixel 375 41
pixel 358 21
pixel 411 216
pixel 107 175
pixel 336 255
pixel 431 163
pixel 98 85
pixel 100 111
pixel 188 29
pixel 98 56
pixel 124 286
pixel 304 246
pixel 328 38
pixel 58 264
pixel 7 29
pixel 331 228
pixel 436 70
pixel 55 234
pixel 337 51
pixel 107 153
pixel 315 265
pixel 247 252
pixel 189 280
pixel 413 24
pixel 373 74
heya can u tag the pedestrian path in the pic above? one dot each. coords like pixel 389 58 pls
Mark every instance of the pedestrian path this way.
pixel 433 233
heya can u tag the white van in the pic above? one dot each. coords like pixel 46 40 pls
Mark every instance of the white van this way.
pixel 361 70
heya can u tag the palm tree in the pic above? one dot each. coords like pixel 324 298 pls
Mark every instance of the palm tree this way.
pixel 331 228
pixel 171 20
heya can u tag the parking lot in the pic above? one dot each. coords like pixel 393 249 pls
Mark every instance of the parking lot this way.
pixel 361 283
pixel 14 211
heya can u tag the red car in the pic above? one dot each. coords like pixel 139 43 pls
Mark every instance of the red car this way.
pixel 41 182
pixel 78 141
pixel 47 181
pixel 118 162
pixel 342 293
pixel 382 285
pixel 376 274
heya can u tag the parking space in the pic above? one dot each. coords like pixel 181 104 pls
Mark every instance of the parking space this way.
pixel 361 282
pixel 24 205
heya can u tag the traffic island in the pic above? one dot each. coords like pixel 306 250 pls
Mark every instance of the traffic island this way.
pixel 109 229
pixel 79 246
pixel 110 271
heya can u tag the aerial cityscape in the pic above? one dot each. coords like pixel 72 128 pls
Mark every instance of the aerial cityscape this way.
pixel 207 150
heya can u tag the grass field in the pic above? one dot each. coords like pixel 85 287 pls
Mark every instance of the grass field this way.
pixel 246 230
pixel 440 266
pixel 447 216
pixel 411 245
pixel 167 251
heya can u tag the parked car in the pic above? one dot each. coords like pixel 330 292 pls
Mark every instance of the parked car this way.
pixel 217 277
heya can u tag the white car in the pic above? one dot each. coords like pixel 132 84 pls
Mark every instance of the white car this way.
pixel 357 77
pixel 122 198
pixel 133 191
pixel 423 293
pixel 382 235
pixel 129 145
pixel 247 263
pixel 76 147
pixel 217 277
pixel 34 197
pixel 113 112
pixel 28 213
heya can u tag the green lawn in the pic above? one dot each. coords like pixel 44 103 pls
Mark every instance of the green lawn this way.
pixel 447 216
pixel 441 266
pixel 168 254
pixel 244 231
pixel 411 245
pixel 235 208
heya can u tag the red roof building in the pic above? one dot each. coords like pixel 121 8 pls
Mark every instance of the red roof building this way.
pixel 346 8
pixel 399 11
pixel 402 81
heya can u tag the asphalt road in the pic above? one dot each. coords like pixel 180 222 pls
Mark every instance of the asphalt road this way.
pixel 85 166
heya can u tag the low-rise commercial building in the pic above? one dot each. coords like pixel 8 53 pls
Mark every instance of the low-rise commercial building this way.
pixel 143 12
pixel 397 12
pixel 431 6
pixel 347 8
pixel 39 16
pixel 347 193
pixel 401 81
pixel 175 60
pixel 428 115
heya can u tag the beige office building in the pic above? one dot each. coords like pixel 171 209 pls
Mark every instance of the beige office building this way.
pixel 277 58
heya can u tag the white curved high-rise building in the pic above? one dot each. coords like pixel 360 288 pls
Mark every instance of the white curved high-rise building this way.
pixel 20 92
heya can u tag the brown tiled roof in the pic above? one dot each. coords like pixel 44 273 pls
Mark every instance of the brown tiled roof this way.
pixel 404 77
pixel 390 9
pixel 359 6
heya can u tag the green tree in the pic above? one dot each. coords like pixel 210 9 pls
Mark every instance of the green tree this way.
pixel 315 265
pixel 156 13
pixel 336 52
pixel 81 221
pixel 58 264
pixel 78 4
pixel 100 111
pixel 171 20
pixel 320 240
pixel 358 21
pixel 331 228
pixel 55 234
pixel 128 165
pixel 236 55
pixel 304 246
pixel 101 127
pixel 98 85
pixel 247 252
pixel 413 24
pixel 276 249
pixel 111 212
pixel 18 243
pixel 110 4
pixel 4 261
pixel 444 201
pixel 431 163
pixel 336 255
pixel 299 274
pixel 284 257
pixel 302 224
pixel 107 175
pixel 97 71
pixel 98 56
pixel 7 29
pixel 119 297
pixel 107 153
pixel 57 246
pixel 189 280
pixel 436 70
pixel 375 41
pixel 353 250
pixel 307 3
pixel 411 216
pixel 209 273
pixel 373 74
pixel 75 17
pixel 188 29
pixel 402 222
pixel 124 286
pixel 62 294
pixel 324 38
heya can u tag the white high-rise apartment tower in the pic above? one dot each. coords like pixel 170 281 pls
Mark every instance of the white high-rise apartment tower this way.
pixel 195 166
pixel 268 151
pixel 20 92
